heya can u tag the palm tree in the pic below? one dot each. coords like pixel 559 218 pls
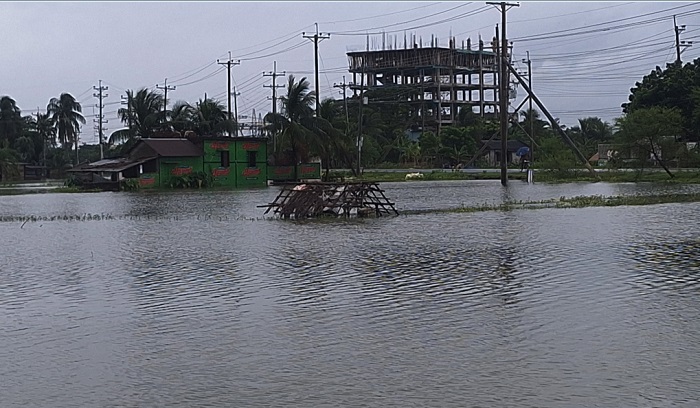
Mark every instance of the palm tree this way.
pixel 66 115
pixel 298 129
pixel 10 120
pixel 47 133
pixel 143 114
pixel 210 116
pixel 182 117
pixel 8 162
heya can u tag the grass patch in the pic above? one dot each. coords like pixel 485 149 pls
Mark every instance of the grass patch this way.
pixel 569 202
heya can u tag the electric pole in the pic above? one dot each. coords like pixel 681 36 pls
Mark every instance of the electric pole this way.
pixel 503 94
pixel 235 109
pixel 529 114
pixel 344 86
pixel 126 100
pixel 680 44
pixel 316 38
pixel 100 120
pixel 274 74
pixel 360 138
pixel 228 64
pixel 165 88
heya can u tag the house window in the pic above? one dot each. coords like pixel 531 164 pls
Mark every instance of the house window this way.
pixel 225 159
pixel 252 159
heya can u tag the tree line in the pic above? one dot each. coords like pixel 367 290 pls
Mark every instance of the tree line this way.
pixel 661 115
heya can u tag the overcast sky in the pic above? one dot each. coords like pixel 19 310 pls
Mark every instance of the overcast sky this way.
pixel 585 55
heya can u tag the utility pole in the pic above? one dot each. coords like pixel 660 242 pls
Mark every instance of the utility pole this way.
pixel 553 123
pixel 360 139
pixel 100 117
pixel 126 100
pixel 503 94
pixel 235 110
pixel 316 38
pixel 165 88
pixel 344 85
pixel 274 74
pixel 529 114
pixel 684 44
pixel 228 64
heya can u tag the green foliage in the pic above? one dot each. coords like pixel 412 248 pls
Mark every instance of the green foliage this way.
pixel 8 162
pixel 199 179
pixel 556 158
pixel 589 133
pixel 675 87
pixel 130 184
pixel 650 133
pixel 73 181
pixel 143 112
pixel 10 120
pixel 66 114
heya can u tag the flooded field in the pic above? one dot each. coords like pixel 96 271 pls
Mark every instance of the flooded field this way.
pixel 188 299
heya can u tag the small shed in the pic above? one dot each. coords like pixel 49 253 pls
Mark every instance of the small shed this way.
pixel 493 151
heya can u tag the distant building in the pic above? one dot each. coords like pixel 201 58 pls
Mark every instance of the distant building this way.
pixel 435 82
pixel 493 151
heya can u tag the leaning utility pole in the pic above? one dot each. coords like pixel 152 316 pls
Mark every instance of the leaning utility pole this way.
pixel 166 88
pixel 503 94
pixel 344 85
pixel 553 123
pixel 228 64
pixel 685 44
pixel 100 117
pixel 316 38
pixel 274 74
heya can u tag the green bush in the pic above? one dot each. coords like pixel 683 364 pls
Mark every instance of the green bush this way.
pixel 130 184
pixel 199 179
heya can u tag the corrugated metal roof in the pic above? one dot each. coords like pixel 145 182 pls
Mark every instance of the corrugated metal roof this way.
pixel 173 147
pixel 109 165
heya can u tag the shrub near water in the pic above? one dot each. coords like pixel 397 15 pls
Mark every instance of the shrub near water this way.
pixel 199 179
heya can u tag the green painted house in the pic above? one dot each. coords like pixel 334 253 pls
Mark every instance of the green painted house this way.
pixel 232 162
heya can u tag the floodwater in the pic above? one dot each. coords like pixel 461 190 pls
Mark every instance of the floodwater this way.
pixel 192 299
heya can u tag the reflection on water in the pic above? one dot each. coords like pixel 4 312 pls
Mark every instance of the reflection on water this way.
pixel 194 302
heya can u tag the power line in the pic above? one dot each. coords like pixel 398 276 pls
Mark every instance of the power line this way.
pixel 365 30
pixel 572 31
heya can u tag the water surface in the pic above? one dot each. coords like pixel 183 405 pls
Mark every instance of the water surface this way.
pixel 194 299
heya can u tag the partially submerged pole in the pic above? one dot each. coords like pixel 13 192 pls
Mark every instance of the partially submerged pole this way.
pixel 554 124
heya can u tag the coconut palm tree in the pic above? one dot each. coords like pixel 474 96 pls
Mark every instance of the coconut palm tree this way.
pixel 210 116
pixel 182 117
pixel 143 114
pixel 66 114
pixel 10 120
pixel 338 147
pixel 299 132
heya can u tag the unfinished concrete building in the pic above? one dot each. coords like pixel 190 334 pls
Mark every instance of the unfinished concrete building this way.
pixel 436 82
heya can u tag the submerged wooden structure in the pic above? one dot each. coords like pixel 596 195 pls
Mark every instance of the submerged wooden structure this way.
pixel 346 199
